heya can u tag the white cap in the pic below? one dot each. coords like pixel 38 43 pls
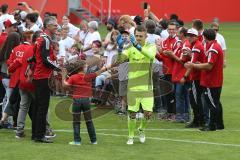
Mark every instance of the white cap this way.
pixel 192 31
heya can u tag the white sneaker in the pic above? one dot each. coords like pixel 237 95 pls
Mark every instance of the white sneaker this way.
pixel 141 136
pixel 94 143
pixel 130 141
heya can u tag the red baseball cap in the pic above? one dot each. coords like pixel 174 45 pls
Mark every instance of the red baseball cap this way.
pixel 10 23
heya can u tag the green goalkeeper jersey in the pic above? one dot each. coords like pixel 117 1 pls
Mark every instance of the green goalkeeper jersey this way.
pixel 140 67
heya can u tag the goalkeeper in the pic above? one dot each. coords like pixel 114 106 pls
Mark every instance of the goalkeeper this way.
pixel 140 91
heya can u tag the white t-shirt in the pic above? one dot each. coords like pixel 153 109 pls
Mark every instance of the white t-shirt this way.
pixel 89 39
pixel 152 38
pixel 220 39
pixel 35 28
pixel 3 18
pixel 110 53
pixel 63 45
pixel 39 22
pixel 73 30
pixel 164 34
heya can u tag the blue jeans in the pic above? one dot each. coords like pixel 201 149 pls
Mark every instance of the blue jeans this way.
pixel 182 101
pixel 101 78
pixel 82 105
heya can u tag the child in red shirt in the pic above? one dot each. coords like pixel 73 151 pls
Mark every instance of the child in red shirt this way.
pixel 81 85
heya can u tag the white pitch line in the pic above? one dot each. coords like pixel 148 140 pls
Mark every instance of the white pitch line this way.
pixel 165 139
pixel 162 129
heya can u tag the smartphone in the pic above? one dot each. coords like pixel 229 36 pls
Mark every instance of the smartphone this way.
pixel 19 4
pixel 145 5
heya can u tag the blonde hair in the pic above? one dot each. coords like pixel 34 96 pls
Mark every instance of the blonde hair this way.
pixel 127 19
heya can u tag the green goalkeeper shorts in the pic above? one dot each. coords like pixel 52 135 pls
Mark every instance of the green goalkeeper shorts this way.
pixel 145 98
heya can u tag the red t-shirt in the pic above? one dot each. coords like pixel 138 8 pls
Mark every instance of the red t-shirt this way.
pixel 214 77
pixel 197 57
pixel 81 85
pixel 171 43
pixel 178 68
pixel 24 83
pixel 14 63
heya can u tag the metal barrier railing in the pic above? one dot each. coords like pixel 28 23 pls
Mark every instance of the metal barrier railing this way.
pixel 91 6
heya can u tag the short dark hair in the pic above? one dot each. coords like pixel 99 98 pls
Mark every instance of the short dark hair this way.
pixel 183 30
pixel 209 34
pixel 164 23
pixel 181 23
pixel 140 28
pixel 174 17
pixel 150 26
pixel 197 24
pixel 32 17
pixel 4 8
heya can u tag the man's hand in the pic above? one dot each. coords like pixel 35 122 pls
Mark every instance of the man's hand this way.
pixel 167 52
pixel 183 80
pixel 187 52
pixel 133 39
pixel 189 65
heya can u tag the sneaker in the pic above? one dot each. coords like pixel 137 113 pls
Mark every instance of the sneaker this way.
pixel 141 135
pixel 75 143
pixel 20 135
pixel 130 141
pixel 50 134
pixel 43 140
pixel 206 129
pixel 94 143
pixel 192 125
